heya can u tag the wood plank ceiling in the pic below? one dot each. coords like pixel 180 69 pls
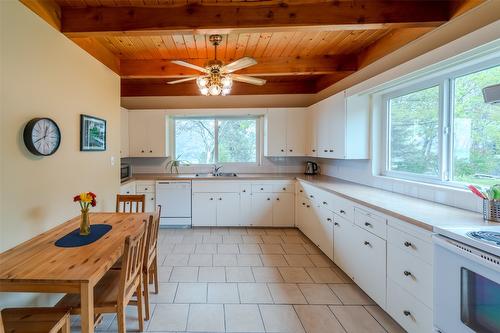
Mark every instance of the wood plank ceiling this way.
pixel 302 46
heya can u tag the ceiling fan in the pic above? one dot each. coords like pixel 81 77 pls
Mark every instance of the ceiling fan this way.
pixel 217 78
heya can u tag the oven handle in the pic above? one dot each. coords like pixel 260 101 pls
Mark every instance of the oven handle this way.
pixel 474 254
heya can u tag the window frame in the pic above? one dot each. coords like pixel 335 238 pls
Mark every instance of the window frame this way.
pixel 446 123
pixel 216 138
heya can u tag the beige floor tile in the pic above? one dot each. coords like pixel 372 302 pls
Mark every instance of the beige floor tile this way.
pixel 299 260
pixel 238 231
pixel 292 239
pixel 192 239
pixel 206 248
pixel 169 317
pixel 164 273
pixel 212 239
pixel 176 260
pixel 239 274
pixel 384 319
pixel 184 248
pixel 206 318
pixel 273 260
pixel 254 293
pixel 275 232
pixel 252 239
pixel 286 293
pixel 318 294
pixel 272 249
pixel 350 294
pixel 280 318
pixel 267 274
pixel 243 318
pixel 323 275
pixel 294 249
pixel 227 249
pixel 166 294
pixel 131 319
pixel 318 319
pixel 269 239
pixel 248 260
pixel 223 293
pixel 355 319
pixel 312 249
pixel 200 260
pixel 212 274
pixel 320 260
pixel 250 249
pixel 232 239
pixel 256 231
pixel 184 274
pixel 224 260
pixel 191 293
pixel 220 231
pixel 292 232
pixel 295 275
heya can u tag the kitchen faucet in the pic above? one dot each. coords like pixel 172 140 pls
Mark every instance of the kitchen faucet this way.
pixel 216 169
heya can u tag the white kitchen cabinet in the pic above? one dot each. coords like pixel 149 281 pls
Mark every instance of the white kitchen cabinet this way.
pixel 343 245
pixel 148 134
pixel 283 212
pixel 325 232
pixel 204 209
pixel 128 188
pixel 228 209
pixel 285 132
pixel 124 139
pixel 245 216
pixel 262 209
pixel 148 189
pixel 296 132
pixel 311 130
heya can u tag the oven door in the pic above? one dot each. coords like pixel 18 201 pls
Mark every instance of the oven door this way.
pixel 466 288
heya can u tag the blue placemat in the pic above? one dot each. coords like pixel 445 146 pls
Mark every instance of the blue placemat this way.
pixel 74 239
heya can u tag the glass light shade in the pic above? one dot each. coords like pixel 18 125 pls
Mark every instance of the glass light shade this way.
pixel 204 91
pixel 226 82
pixel 202 81
pixel 214 90
pixel 226 91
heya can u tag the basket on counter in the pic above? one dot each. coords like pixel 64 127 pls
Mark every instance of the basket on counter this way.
pixel 491 210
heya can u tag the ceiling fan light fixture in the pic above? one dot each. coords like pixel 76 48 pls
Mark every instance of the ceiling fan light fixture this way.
pixel 214 90
pixel 202 81
pixel 204 91
pixel 226 82
pixel 226 91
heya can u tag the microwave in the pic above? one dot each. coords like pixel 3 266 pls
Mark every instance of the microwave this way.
pixel 125 172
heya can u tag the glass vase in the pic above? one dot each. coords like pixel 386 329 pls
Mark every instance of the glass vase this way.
pixel 85 223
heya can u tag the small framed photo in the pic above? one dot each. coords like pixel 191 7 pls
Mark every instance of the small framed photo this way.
pixel 92 133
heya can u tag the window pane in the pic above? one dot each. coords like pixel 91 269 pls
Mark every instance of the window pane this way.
pixel 414 129
pixel 237 140
pixel 195 140
pixel 476 142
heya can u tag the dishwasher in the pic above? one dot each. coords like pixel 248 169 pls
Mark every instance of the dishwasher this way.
pixel 174 196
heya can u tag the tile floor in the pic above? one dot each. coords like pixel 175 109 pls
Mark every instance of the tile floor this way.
pixel 252 280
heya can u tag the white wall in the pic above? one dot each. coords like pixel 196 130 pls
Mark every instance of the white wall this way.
pixel 46 74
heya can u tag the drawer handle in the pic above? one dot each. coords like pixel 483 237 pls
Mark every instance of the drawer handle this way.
pixel 326 150
pixel 220 199
pixel 408 244
pixel 244 191
pixel 291 150
pixel 262 189
pixel 331 150
pixel 268 198
pixel 335 223
pixel 406 273
pixel 142 151
pixel 314 150
pixel 308 206
pixel 303 204
pixel 284 189
pixel 367 243
pixel 407 313
pixel 325 203
pixel 342 211
pixel 282 150
pixel 152 198
pixel 311 196
pixel 277 199
pixel 211 198
pixel 329 219
pixel 301 191
pixel 368 224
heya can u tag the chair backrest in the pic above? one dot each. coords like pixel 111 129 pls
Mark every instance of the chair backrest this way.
pixel 130 203
pixel 132 259
pixel 152 237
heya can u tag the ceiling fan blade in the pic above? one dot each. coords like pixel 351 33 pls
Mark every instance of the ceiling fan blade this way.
pixel 187 64
pixel 183 80
pixel 239 64
pixel 248 79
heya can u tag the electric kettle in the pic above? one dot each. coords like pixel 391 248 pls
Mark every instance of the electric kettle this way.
pixel 311 168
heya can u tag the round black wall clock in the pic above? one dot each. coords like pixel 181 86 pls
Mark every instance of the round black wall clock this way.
pixel 42 136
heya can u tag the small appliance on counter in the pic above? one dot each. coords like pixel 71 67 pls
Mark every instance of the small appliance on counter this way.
pixel 311 168
pixel 125 172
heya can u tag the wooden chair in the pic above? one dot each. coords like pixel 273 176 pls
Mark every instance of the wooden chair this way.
pixel 127 203
pixel 116 289
pixel 34 320
pixel 150 265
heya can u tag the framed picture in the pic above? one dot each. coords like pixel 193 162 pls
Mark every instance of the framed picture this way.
pixel 92 133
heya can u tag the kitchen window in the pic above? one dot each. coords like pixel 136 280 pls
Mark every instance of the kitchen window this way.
pixel 210 140
pixel 442 131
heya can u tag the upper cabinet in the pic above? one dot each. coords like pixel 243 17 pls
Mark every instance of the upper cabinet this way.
pixel 147 134
pixel 285 133
pixel 124 142
pixel 342 127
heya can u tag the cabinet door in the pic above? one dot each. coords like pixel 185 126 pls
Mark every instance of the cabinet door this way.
pixel 323 129
pixel 204 209
pixel 147 134
pixel 296 132
pixel 344 245
pixel 245 207
pixel 137 134
pixel 275 132
pixel 150 202
pixel 262 209
pixel 325 233
pixel 228 209
pixel 311 221
pixel 283 210
pixel 311 132
pixel 337 120
pixel 124 144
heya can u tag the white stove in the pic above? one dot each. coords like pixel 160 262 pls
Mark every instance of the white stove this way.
pixel 486 238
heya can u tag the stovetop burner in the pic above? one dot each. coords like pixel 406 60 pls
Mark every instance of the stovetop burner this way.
pixel 486 236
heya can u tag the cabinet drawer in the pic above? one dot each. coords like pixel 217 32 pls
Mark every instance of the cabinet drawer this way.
pixel 145 187
pixel 284 187
pixel 215 186
pixel 128 188
pixel 246 188
pixel 408 311
pixel 413 274
pixel 373 223
pixel 262 188
pixel 410 244
pixel 343 207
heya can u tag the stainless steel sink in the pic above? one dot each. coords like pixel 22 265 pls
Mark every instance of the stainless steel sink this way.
pixel 220 174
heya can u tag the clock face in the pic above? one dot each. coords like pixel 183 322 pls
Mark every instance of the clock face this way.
pixel 42 136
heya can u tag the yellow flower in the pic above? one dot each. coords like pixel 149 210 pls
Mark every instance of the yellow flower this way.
pixel 85 197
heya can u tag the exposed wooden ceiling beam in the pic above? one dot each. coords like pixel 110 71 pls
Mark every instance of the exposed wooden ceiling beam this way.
pixel 265 67
pixel 135 88
pixel 48 10
pixel 205 18
pixel 100 52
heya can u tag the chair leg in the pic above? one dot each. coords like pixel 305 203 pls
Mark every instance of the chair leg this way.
pixel 140 313
pixel 120 318
pixel 146 294
pixel 155 274
pixel 66 328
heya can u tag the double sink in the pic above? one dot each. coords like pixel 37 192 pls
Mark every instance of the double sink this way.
pixel 219 174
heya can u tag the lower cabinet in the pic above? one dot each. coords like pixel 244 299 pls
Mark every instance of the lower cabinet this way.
pixel 211 209
pixel 343 245
pixel 262 209
pixel 228 209
pixel 283 212
pixel 324 232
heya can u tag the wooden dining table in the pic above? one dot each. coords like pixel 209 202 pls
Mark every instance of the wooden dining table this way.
pixel 38 265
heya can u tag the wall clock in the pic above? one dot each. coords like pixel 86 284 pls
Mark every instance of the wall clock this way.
pixel 42 136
